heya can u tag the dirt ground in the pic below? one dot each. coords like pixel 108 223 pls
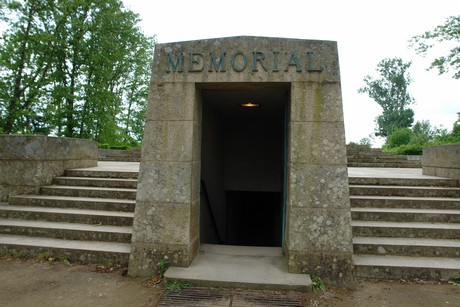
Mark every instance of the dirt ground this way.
pixel 54 283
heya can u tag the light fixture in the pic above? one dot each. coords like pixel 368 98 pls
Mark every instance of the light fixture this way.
pixel 249 105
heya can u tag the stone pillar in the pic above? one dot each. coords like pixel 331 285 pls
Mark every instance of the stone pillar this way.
pixel 166 214
pixel 318 226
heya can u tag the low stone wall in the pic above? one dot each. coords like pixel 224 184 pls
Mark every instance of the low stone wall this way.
pixel 28 162
pixel 442 161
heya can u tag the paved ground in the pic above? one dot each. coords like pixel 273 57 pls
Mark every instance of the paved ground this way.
pixel 379 172
pixel 53 283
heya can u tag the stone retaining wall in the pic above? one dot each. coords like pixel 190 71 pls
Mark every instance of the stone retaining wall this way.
pixel 442 161
pixel 28 162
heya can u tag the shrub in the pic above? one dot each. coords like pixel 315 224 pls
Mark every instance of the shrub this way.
pixel 401 136
pixel 408 149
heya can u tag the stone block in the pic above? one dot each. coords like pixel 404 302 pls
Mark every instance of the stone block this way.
pixel 144 258
pixel 317 102
pixel 319 230
pixel 333 268
pixel 317 143
pixel 165 182
pixel 168 141
pixel 171 101
pixel 162 223
pixel 442 161
pixel 323 186
pixel 284 60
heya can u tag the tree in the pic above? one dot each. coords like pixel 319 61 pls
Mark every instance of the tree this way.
pixel 391 93
pixel 447 32
pixel 74 68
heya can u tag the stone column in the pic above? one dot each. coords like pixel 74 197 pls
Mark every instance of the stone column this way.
pixel 166 214
pixel 318 226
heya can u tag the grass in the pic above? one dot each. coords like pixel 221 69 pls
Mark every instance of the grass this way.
pixel 177 285
pixel 318 284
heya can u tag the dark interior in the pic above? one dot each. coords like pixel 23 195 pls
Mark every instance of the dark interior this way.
pixel 242 164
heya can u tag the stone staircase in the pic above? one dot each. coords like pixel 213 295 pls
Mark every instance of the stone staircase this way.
pixel 131 155
pixel 363 156
pixel 85 216
pixel 405 228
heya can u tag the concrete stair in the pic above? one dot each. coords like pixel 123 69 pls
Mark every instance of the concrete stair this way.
pixel 405 228
pixel 363 156
pixel 85 216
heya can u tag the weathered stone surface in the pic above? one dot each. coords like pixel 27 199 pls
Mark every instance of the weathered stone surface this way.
pixel 162 223
pixel 321 186
pixel 165 182
pixel 24 147
pixel 318 143
pixel 333 268
pixel 170 141
pixel 235 69
pixel 171 101
pixel 442 161
pixel 144 257
pixel 28 162
pixel 319 230
pixel 317 102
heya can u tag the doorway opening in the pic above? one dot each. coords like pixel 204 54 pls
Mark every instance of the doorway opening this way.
pixel 243 163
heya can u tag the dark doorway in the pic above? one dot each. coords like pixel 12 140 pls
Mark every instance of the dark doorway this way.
pixel 242 164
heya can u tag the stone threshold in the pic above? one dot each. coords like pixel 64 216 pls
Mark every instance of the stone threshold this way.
pixel 240 267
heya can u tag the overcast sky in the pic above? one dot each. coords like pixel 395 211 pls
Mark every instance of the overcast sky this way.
pixel 366 32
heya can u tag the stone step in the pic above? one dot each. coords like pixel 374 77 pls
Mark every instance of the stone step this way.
pixel 96 182
pixel 406 215
pixel 101 173
pixel 408 268
pixel 106 204
pixel 441 182
pixel 416 247
pixel 408 191
pixel 382 160
pixel 69 231
pixel 97 192
pixel 251 267
pixel 384 164
pixel 70 215
pixel 405 202
pixel 74 251
pixel 406 230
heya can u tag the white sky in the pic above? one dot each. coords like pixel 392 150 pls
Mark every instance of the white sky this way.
pixel 366 31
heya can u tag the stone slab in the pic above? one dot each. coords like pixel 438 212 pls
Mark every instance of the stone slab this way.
pixel 236 266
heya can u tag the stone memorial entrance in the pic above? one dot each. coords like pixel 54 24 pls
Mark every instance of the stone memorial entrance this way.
pixel 244 145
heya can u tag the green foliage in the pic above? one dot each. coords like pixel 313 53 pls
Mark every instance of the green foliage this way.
pixel 447 32
pixel 74 68
pixel 162 266
pixel 103 146
pixel 455 281
pixel 46 256
pixel 122 147
pixel 391 93
pixel 318 284
pixel 176 285
pixel 408 149
pixel 398 137
pixel 405 141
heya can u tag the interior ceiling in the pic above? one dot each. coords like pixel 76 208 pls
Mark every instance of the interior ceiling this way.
pixel 272 99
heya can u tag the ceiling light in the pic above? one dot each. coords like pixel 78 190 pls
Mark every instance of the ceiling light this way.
pixel 249 105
